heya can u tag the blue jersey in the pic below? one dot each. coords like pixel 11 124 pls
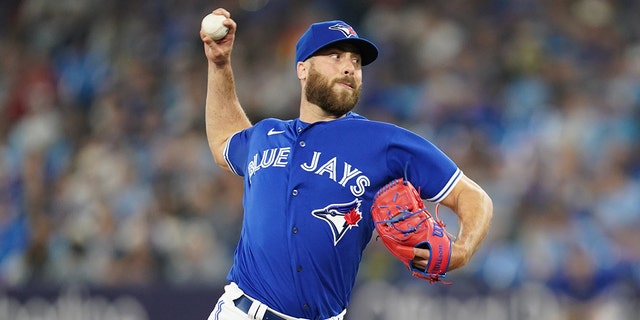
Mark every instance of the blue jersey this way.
pixel 308 190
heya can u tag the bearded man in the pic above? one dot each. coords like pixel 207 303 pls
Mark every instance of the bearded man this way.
pixel 309 182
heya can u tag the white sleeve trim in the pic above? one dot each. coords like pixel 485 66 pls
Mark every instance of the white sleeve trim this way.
pixel 226 154
pixel 447 187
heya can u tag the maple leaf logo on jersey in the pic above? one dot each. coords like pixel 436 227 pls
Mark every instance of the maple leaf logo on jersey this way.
pixel 345 29
pixel 340 217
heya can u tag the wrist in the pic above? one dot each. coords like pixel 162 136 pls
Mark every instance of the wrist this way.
pixel 219 64
pixel 459 256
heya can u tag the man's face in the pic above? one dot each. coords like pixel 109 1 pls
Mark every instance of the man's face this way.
pixel 334 81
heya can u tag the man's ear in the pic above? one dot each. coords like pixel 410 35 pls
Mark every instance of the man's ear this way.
pixel 301 69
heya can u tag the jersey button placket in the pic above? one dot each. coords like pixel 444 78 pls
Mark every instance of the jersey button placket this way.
pixel 296 263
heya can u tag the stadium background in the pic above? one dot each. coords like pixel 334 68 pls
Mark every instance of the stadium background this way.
pixel 111 206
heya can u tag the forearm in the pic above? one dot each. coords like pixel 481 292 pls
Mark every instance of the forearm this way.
pixel 223 114
pixel 474 209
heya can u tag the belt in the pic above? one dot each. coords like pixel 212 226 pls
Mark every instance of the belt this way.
pixel 243 303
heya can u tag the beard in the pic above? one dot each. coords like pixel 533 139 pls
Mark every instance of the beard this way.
pixel 319 91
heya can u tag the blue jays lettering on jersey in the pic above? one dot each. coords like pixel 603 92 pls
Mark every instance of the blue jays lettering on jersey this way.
pixel 308 193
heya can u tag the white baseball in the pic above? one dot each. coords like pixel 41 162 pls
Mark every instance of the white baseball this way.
pixel 213 27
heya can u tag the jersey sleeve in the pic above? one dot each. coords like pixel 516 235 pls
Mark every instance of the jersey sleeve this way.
pixel 425 165
pixel 236 151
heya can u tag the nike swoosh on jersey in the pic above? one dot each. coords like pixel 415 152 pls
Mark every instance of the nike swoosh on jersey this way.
pixel 273 131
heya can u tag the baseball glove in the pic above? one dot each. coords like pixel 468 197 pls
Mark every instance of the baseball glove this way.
pixel 403 223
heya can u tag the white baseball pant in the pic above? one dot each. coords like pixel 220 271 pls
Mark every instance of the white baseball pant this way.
pixel 225 308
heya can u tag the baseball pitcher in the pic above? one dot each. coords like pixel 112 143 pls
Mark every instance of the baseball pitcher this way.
pixel 317 187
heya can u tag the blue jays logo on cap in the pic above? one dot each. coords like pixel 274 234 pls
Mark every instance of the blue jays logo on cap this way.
pixel 323 34
pixel 346 29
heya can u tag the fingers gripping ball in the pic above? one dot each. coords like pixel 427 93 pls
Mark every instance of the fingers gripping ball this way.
pixel 403 223
pixel 212 26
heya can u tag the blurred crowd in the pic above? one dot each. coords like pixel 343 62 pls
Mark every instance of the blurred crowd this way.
pixel 106 177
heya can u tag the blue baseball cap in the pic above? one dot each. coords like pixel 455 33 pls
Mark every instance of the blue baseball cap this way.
pixel 322 34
